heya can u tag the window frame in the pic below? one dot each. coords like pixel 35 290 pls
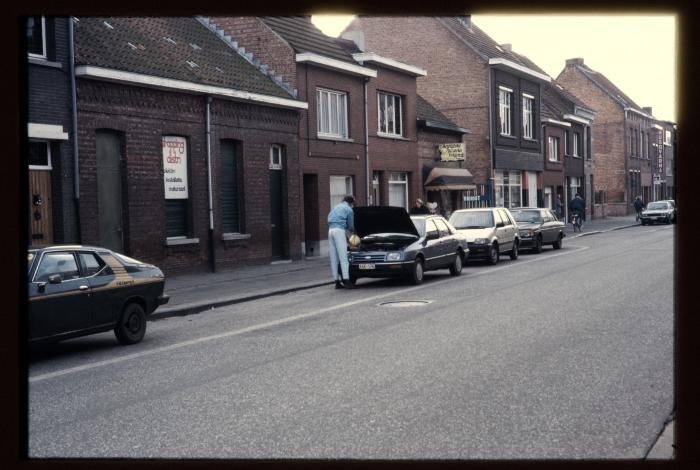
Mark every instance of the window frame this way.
pixel 575 147
pixel 278 165
pixel 397 182
pixel 394 97
pixel 528 116
pixel 553 140
pixel 187 201
pixel 505 124
pixel 320 102
pixel 44 54
pixel 48 166
pixel 43 256
pixel 351 186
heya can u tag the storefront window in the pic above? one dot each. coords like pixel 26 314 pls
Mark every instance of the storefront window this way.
pixel 508 188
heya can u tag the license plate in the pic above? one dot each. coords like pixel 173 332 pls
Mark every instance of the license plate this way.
pixel 366 265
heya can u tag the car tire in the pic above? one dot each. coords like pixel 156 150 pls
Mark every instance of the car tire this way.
pixel 132 324
pixel 514 251
pixel 668 220
pixel 456 266
pixel 557 244
pixel 494 255
pixel 538 244
pixel 644 222
pixel 417 274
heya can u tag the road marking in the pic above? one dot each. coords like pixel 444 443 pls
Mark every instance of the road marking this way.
pixel 282 321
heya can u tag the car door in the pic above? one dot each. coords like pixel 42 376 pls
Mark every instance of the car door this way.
pixel 431 251
pixel 448 244
pixel 507 233
pixel 59 296
pixel 552 226
pixel 105 298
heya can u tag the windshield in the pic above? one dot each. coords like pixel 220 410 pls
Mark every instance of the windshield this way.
pixel 657 206
pixel 472 219
pixel 526 216
pixel 419 222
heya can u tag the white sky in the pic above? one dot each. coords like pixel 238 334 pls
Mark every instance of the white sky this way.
pixel 637 53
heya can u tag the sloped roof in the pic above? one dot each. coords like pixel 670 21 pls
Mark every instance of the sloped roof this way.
pixel 554 105
pixel 178 48
pixel 427 112
pixel 303 36
pixel 608 87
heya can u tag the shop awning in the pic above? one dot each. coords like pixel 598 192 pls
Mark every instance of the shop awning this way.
pixel 448 179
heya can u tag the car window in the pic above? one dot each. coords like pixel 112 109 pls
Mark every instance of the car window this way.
pixel 504 215
pixel 93 264
pixel 497 216
pixel 526 215
pixel 62 263
pixel 444 230
pixel 430 227
pixel 472 219
pixel 657 206
pixel 30 260
pixel 419 222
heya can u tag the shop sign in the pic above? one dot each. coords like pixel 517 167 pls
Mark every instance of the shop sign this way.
pixel 660 150
pixel 452 152
pixel 175 167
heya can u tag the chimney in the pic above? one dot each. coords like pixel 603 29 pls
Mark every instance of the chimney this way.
pixel 576 61
pixel 466 20
pixel 647 109
pixel 507 47
pixel 358 37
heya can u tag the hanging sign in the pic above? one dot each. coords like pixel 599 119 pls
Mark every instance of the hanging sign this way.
pixel 175 167
pixel 452 152
pixel 660 150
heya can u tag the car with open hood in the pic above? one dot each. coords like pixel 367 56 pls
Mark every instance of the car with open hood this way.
pixel 537 227
pixel 394 244
pixel 79 290
pixel 659 211
pixel 490 232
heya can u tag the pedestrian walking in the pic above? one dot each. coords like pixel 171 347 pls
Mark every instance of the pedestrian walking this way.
pixel 341 224
pixel 420 208
pixel 559 206
pixel 638 206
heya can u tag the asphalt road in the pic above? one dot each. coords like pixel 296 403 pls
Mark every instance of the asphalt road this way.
pixel 566 354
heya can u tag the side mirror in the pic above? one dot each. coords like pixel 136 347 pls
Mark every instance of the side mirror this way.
pixel 55 279
pixel 432 236
pixel 500 224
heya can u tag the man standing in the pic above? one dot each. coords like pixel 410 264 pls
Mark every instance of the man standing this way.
pixel 341 222
pixel 420 208
pixel 559 206
pixel 638 206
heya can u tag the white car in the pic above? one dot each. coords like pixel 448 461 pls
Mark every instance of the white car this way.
pixel 490 231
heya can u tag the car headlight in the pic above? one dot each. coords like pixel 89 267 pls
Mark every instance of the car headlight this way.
pixel 393 256
pixel 481 241
pixel 526 233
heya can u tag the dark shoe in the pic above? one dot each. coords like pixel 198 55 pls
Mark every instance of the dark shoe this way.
pixel 339 285
pixel 348 284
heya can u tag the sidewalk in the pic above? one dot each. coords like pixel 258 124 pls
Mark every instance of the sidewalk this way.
pixel 193 293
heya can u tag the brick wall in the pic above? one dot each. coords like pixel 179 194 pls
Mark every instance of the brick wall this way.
pixel 142 117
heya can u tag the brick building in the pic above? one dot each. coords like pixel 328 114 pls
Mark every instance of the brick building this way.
pixel 623 139
pixel 479 85
pixel 663 160
pixel 188 148
pixel 50 132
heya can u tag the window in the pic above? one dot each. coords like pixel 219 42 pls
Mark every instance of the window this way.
pixel 442 227
pixel 39 155
pixel 576 143
pixel 275 157
pixel 231 194
pixel 92 264
pixel 667 138
pixel 36 36
pixel 574 184
pixel 389 114
pixel 398 190
pixel 430 228
pixel 376 191
pixel 341 186
pixel 176 185
pixel 504 100
pixel 508 188
pixel 631 142
pixel 645 145
pixel 62 263
pixel 331 113
pixel 669 167
pixel 505 217
pixel 528 127
pixel 553 149
pixel 566 143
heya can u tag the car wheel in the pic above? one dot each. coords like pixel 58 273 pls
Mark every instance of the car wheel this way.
pixel 494 255
pixel 668 220
pixel 644 222
pixel 417 275
pixel 456 266
pixel 557 244
pixel 514 251
pixel 538 244
pixel 132 324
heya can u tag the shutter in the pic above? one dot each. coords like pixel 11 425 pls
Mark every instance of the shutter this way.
pixel 229 189
pixel 176 217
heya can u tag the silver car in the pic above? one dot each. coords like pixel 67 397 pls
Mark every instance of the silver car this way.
pixel 490 232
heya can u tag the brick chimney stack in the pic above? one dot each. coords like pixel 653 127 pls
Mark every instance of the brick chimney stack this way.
pixel 507 47
pixel 572 62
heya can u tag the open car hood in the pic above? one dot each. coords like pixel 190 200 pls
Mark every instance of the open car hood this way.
pixel 383 219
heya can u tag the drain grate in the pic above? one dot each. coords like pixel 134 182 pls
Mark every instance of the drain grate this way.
pixel 405 303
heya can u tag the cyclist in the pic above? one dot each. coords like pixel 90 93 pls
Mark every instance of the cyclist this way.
pixel 577 207
pixel 638 206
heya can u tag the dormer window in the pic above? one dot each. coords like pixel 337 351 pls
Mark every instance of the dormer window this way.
pixel 36 36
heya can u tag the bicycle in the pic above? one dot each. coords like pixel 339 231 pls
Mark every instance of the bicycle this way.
pixel 576 221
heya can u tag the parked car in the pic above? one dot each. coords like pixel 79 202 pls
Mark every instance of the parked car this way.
pixel 490 232
pixel 537 227
pixel 394 244
pixel 675 209
pixel 658 211
pixel 80 290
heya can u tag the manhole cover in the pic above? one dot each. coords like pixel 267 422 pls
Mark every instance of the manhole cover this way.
pixel 405 303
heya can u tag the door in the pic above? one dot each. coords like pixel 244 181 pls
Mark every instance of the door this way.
pixel 40 206
pixel 433 255
pixel 508 231
pixel 276 207
pixel 60 300
pixel 532 189
pixel 311 215
pixel 448 243
pixel 109 190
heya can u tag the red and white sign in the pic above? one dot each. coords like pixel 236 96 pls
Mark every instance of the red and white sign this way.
pixel 175 167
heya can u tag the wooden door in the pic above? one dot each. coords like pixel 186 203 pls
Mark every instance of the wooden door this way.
pixel 40 206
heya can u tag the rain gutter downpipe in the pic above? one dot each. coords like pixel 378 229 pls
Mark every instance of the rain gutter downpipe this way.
pixel 492 153
pixel 74 116
pixel 367 191
pixel 212 251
